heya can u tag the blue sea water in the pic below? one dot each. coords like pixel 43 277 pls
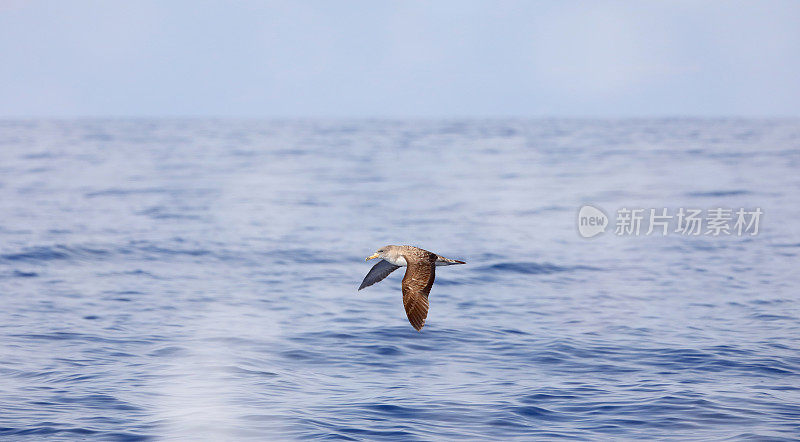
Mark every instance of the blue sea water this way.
pixel 196 279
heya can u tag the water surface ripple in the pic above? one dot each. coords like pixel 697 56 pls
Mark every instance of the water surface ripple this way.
pixel 197 279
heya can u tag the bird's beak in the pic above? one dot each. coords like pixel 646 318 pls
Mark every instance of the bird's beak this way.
pixel 374 255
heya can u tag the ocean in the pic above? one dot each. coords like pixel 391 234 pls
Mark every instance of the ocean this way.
pixel 197 279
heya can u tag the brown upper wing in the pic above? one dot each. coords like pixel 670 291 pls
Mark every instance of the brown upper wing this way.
pixel 416 285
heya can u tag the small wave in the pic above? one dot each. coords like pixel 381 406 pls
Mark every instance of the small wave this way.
pixel 787 245
pixel 391 434
pixel 160 212
pixel 125 192
pixel 767 317
pixel 77 337
pixel 245 371
pixel 303 355
pixel 533 268
pixel 173 251
pixel 36 254
pixel 101 401
pixel 384 350
pixel 555 395
pixel 53 253
pixel 169 351
pixel 396 410
pixel 40 156
pixel 534 412
pixel 47 430
pixel 718 193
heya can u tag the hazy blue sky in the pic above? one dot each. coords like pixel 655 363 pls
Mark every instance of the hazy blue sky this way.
pixel 399 58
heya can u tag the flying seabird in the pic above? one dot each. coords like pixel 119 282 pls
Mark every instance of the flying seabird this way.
pixel 418 280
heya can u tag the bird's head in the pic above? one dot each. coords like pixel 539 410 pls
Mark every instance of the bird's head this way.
pixel 381 253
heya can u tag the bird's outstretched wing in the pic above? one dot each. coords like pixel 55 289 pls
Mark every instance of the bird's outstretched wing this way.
pixel 378 272
pixel 416 286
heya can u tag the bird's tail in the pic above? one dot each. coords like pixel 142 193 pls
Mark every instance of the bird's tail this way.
pixel 442 261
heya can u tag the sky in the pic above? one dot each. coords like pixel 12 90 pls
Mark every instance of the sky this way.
pixel 387 59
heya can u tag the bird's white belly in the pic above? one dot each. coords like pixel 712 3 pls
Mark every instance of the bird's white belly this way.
pixel 398 261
